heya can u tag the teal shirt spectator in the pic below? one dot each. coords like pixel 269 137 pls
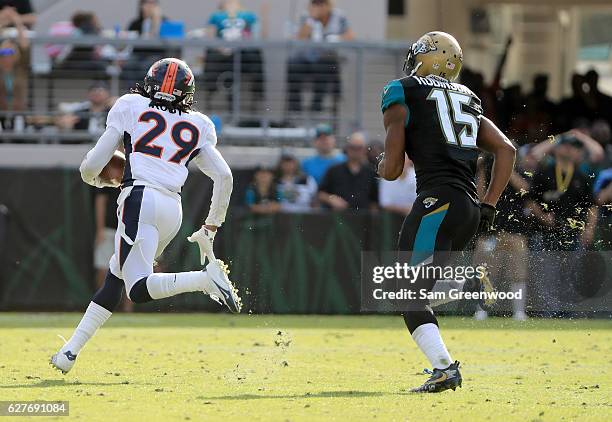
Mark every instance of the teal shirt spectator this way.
pixel 393 93
pixel 239 27
pixel 252 197
pixel 317 166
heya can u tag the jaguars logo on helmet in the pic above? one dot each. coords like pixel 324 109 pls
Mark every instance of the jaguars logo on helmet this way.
pixel 435 53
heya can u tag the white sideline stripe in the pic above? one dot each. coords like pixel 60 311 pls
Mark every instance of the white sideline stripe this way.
pixel 70 156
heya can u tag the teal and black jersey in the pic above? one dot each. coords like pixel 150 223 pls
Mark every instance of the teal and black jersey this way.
pixel 441 129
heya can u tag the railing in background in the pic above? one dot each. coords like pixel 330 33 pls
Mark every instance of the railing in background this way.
pixel 246 84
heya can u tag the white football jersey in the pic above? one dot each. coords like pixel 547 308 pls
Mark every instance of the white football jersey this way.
pixel 158 144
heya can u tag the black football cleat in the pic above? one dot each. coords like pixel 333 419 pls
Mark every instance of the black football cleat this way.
pixel 441 379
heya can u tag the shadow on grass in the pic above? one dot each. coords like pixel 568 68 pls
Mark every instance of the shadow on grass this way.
pixel 322 394
pixel 327 322
pixel 61 383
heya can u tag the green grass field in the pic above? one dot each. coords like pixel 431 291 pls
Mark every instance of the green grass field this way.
pixel 219 367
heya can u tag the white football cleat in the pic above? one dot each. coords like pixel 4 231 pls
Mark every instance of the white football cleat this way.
pixel 63 360
pixel 224 292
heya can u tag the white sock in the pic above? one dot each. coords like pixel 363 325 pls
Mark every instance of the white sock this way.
pixel 518 305
pixel 161 285
pixel 95 316
pixel 427 337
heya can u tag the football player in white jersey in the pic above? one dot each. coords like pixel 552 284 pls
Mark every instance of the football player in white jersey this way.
pixel 161 135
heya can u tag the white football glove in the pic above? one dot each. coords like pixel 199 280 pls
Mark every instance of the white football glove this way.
pixel 205 239
pixel 99 183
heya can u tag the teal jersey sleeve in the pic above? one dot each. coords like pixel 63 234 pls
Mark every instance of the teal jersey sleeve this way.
pixel 393 93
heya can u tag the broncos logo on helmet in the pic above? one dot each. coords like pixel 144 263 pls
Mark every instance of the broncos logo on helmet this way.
pixel 170 82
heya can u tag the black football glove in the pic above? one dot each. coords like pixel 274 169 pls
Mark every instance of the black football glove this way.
pixel 487 217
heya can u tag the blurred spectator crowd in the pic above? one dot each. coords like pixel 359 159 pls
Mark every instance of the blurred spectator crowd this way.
pixel 315 69
pixel 561 190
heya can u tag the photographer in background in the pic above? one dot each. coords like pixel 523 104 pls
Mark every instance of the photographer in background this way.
pixel 560 198
pixel 564 215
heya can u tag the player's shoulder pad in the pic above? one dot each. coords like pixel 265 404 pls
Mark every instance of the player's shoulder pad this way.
pixel 475 102
pixel 130 100
pixel 202 119
pixel 133 98
pixel 393 93
pixel 206 126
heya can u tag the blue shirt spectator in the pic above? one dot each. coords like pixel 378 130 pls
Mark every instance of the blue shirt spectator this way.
pixel 325 142
pixel 317 166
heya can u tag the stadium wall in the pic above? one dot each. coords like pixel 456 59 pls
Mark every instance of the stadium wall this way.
pixel 283 264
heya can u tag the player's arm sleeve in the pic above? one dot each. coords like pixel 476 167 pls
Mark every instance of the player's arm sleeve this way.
pixel 393 93
pixel 212 164
pixel 99 156
pixel 119 116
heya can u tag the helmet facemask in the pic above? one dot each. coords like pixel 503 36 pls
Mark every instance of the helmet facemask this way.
pixel 423 45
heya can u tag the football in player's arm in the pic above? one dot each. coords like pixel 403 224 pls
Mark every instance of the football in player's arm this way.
pixel 161 135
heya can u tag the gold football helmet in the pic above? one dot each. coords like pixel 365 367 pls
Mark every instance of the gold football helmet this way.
pixel 435 53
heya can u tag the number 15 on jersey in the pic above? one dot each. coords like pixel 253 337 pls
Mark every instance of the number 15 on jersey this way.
pixel 459 128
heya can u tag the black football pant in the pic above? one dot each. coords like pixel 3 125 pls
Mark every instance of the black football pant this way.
pixel 443 220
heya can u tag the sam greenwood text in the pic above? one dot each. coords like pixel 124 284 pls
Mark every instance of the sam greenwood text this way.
pixel 453 294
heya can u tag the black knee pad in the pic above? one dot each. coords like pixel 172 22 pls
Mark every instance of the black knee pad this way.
pixel 109 295
pixel 139 292
pixel 414 319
